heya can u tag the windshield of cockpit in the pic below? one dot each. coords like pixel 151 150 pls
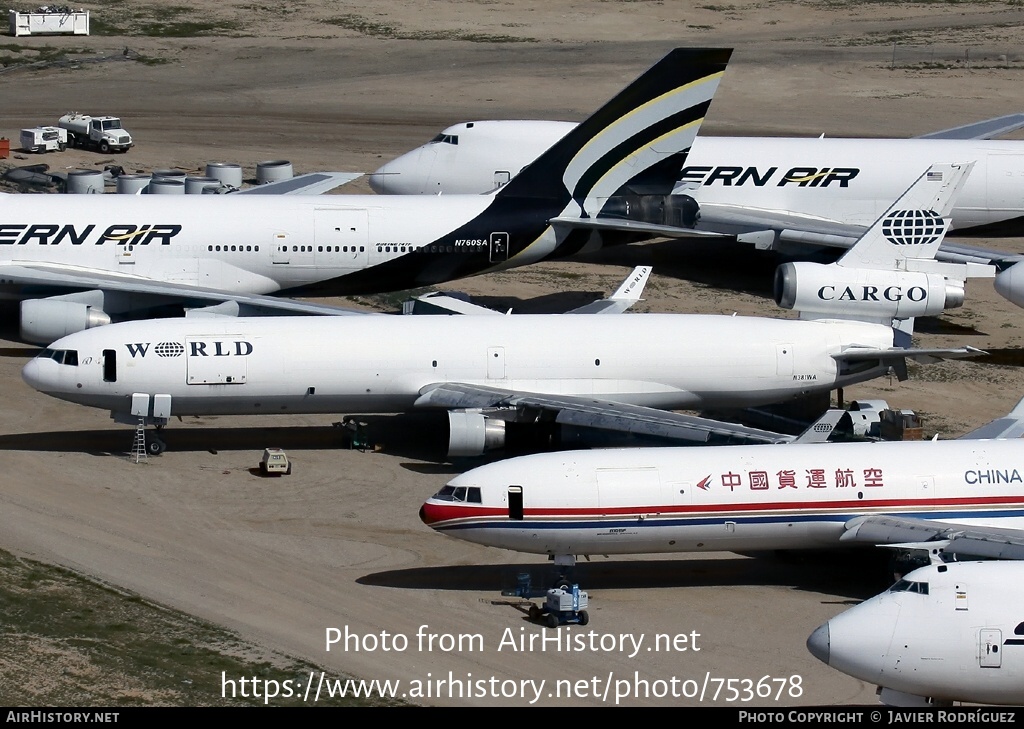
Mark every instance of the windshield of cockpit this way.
pixel 60 356
pixel 465 494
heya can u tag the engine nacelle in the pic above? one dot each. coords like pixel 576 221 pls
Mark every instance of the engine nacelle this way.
pixel 844 291
pixel 44 321
pixel 1010 283
pixel 473 433
pixel 680 211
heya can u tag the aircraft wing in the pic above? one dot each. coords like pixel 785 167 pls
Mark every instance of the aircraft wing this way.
pixel 314 183
pixel 61 278
pixel 957 539
pixel 593 412
pixel 634 226
pixel 980 130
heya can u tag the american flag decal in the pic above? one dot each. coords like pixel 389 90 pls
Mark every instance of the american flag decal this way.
pixel 934 177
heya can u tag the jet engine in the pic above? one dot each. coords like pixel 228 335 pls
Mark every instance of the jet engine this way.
pixel 840 290
pixel 1010 284
pixel 679 211
pixel 44 321
pixel 473 433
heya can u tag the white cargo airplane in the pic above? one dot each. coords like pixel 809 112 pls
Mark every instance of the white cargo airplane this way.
pixel 103 257
pixel 943 633
pixel 776 193
pixel 964 497
pixel 611 372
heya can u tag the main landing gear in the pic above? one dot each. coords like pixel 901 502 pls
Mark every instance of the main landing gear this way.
pixel 154 444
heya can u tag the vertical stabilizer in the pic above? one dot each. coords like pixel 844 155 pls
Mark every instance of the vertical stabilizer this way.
pixel 651 121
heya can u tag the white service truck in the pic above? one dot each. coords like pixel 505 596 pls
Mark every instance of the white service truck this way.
pixel 44 139
pixel 96 132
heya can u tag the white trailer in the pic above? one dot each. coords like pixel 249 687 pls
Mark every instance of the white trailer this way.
pixel 49 19
pixel 44 139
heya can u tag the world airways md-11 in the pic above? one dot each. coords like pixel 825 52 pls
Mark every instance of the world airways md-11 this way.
pixel 106 257
pixel 609 372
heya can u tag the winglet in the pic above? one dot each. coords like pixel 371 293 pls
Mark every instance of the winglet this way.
pixel 624 297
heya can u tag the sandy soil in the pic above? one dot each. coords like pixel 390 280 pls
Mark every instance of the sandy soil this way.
pixel 337 86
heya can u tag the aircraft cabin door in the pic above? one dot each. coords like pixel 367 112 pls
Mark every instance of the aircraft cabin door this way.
pixel 341 236
pixel 515 503
pixel 784 359
pixel 1005 177
pixel 495 363
pixel 991 640
pixel 499 247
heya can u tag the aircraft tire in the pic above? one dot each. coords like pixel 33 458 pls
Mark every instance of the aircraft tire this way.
pixel 563 584
pixel 155 446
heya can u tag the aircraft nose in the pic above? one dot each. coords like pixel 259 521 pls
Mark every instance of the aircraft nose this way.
pixel 379 179
pixel 33 374
pixel 426 515
pixel 819 644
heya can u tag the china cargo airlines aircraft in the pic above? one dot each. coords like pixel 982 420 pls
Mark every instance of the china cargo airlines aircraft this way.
pixel 964 497
pixel 611 372
pixel 776 193
pixel 943 633
pixel 106 257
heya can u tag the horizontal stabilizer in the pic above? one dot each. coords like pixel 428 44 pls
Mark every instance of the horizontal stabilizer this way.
pixel 858 354
pixel 986 129
pixel 1010 425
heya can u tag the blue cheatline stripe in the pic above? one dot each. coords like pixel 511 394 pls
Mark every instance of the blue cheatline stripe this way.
pixel 653 521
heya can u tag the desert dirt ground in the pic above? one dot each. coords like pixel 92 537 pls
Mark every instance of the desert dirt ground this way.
pixel 347 86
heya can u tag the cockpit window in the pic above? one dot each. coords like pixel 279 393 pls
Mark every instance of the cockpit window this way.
pixel 61 356
pixel 464 494
pixel 908 586
pixel 445 138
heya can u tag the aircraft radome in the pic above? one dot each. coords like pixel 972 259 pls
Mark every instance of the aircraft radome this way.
pixel 943 633
pixel 615 373
pixel 964 495
pixel 106 257
pixel 776 193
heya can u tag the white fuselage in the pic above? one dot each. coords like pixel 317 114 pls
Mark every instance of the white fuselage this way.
pixel 235 243
pixel 950 632
pixel 735 498
pixel 384 363
pixel 848 181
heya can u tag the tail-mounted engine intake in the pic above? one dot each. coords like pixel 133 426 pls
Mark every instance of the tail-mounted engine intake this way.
pixel 845 291
pixel 44 321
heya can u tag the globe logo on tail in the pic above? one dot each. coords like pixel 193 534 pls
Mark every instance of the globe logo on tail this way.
pixel 913 227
